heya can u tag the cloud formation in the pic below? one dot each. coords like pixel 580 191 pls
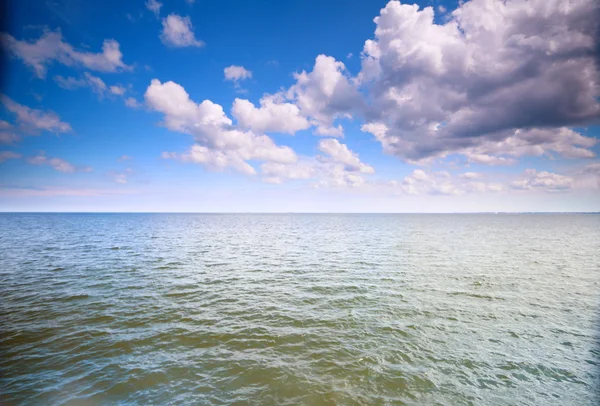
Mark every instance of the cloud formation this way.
pixel 340 167
pixel 324 95
pixel 271 116
pixel 154 6
pixel 178 32
pixel 531 179
pixel 87 80
pixel 51 47
pixel 57 164
pixel 492 69
pixel 236 73
pixel 33 121
pixel 219 144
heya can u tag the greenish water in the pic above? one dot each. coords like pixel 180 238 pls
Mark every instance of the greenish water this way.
pixel 299 309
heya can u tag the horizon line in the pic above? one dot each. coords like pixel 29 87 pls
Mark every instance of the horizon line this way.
pixel 291 212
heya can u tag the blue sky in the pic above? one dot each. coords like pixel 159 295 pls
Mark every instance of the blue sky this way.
pixel 305 106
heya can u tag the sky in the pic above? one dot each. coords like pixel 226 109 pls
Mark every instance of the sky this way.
pixel 300 106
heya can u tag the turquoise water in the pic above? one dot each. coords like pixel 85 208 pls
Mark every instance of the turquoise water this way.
pixel 299 309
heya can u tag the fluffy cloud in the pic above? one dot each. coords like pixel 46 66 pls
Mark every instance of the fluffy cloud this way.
pixel 33 121
pixel 493 68
pixel 117 90
pixel 325 94
pixel 271 116
pixel 534 142
pixel 340 153
pixel 154 6
pixel 50 47
pixel 469 175
pixel 340 168
pixel 531 179
pixel 178 32
pixel 236 73
pixel 219 144
pixel 421 182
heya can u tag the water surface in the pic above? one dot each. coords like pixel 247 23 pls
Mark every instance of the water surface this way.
pixel 299 309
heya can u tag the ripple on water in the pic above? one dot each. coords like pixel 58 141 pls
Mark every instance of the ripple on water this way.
pixel 298 309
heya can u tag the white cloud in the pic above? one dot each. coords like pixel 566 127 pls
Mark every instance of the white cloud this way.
pixel 491 69
pixel 179 32
pixel 33 121
pixel 219 144
pixel 341 168
pixel 154 6
pixel 271 116
pixel 6 155
pixel 87 80
pixel 236 73
pixel 117 90
pixel 469 175
pixel 132 103
pixel 57 164
pixel 50 47
pixel 340 153
pixel 421 182
pixel 531 179
pixel 122 177
pixel 534 142
pixel 324 95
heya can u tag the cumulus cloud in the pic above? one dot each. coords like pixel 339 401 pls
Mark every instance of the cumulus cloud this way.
pixel 154 6
pixel 219 144
pixel 178 32
pixel 325 94
pixel 271 116
pixel 34 121
pixel 340 153
pixel 531 179
pixel 236 73
pixel 492 69
pixel 51 47
pixel 533 142
pixel 341 167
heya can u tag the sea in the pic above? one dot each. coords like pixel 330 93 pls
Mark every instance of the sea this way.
pixel 299 309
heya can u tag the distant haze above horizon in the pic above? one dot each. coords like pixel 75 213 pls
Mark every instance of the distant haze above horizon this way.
pixel 340 106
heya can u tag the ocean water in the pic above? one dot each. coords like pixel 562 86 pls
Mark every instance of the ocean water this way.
pixel 291 309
